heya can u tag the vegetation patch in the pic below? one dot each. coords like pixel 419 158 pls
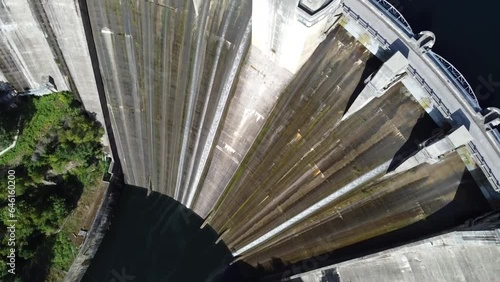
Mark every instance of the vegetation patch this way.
pixel 8 128
pixel 57 158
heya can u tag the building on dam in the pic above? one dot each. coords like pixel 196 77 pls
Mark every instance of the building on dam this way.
pixel 296 129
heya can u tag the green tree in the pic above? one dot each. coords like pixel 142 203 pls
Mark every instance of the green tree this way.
pixel 58 154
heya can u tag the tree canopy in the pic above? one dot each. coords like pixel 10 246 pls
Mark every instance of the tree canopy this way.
pixel 58 154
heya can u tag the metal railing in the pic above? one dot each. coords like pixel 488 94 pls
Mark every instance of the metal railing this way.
pixel 450 70
pixel 484 166
pixel 385 44
pixel 446 112
pixel 349 12
pixel 458 79
pixel 394 14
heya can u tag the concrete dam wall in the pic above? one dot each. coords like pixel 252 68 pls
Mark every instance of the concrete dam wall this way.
pixel 254 145
pixel 169 72
pixel 290 127
pixel 47 38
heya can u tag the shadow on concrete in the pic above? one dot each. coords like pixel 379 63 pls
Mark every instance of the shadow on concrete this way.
pixel 460 118
pixel 399 45
pixel 424 129
pixel 468 203
pixel 372 65
pixel 155 238
pixel 311 13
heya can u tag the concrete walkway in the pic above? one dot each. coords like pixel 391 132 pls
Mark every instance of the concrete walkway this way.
pixel 15 139
pixel 11 146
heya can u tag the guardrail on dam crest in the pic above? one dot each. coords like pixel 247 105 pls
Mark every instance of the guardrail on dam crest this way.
pixel 443 82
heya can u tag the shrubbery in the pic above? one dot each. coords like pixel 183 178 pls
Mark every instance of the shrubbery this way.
pixel 57 155
pixel 8 127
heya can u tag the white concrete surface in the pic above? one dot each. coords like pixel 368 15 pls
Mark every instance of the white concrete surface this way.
pixel 387 76
pixel 29 56
pixel 25 47
pixel 66 22
pixel 456 256
pixel 429 80
pixel 281 36
pixel 432 153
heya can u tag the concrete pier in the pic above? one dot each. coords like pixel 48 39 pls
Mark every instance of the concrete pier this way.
pixel 377 85
pixel 435 83
pixel 432 153
pixel 401 65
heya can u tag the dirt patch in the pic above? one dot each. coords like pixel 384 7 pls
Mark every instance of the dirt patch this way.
pixel 84 214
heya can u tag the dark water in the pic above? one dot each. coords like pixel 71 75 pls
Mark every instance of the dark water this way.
pixel 468 34
pixel 157 239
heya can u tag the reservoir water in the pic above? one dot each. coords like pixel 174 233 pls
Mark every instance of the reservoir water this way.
pixel 155 238
pixel 467 35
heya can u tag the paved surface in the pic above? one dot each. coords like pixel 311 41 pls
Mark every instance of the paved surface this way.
pixel 457 256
